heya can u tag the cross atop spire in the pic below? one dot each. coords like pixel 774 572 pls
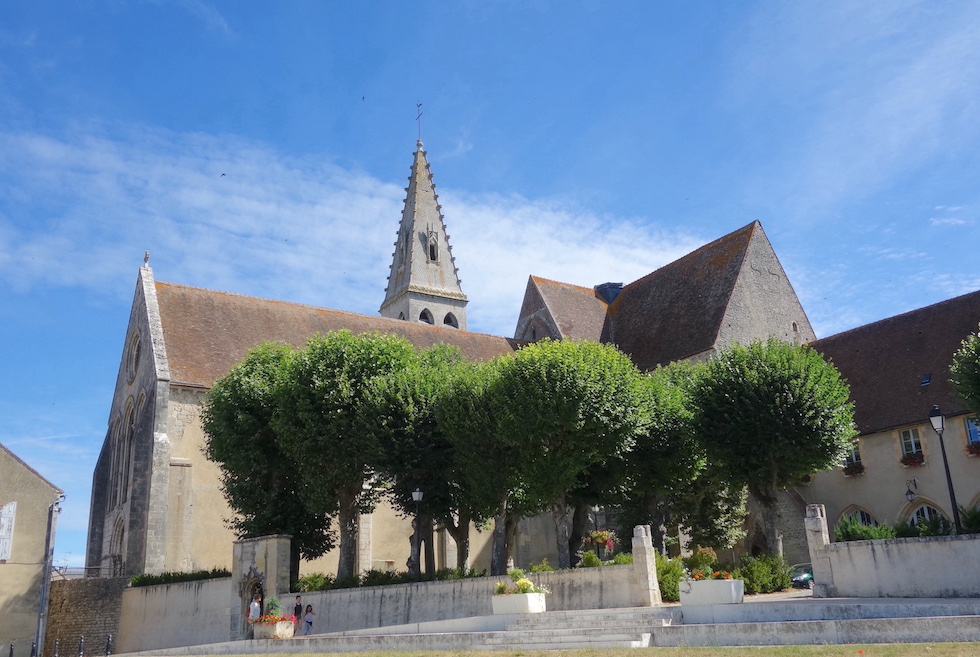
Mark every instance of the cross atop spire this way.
pixel 424 284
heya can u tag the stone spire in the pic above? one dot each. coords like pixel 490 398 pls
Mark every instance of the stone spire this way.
pixel 424 285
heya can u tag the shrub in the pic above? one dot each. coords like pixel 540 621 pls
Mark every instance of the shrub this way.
pixel 970 519
pixel 385 578
pixel 905 530
pixel 170 578
pixel 670 572
pixel 851 529
pixel 765 574
pixel 314 582
pixel 935 526
pixel 704 559
pixel 543 567
pixel 623 559
pixel 590 560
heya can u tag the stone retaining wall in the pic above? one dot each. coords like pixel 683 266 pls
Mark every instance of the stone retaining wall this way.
pixel 88 608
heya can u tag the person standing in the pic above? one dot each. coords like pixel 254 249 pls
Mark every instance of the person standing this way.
pixel 308 621
pixel 298 613
pixel 254 613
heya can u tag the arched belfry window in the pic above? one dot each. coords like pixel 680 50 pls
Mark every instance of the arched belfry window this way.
pixel 450 320
pixel 426 317
pixel 401 316
pixel 433 245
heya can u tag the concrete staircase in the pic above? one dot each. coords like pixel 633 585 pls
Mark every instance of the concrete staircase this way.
pixel 591 629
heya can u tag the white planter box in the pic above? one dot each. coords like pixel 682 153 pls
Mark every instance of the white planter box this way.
pixel 518 603
pixel 280 630
pixel 712 591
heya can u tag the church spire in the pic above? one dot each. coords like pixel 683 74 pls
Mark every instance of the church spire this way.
pixel 424 284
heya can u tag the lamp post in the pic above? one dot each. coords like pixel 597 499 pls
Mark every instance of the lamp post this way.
pixel 417 498
pixel 939 425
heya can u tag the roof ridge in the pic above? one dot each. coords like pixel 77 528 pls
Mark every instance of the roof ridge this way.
pixel 907 313
pixel 590 290
pixel 25 464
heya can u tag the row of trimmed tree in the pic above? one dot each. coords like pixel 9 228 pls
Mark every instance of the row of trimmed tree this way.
pixel 309 438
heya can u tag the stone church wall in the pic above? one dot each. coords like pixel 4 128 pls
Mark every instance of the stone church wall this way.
pixel 89 608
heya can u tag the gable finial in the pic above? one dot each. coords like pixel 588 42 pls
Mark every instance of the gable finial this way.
pixel 419 119
pixel 146 259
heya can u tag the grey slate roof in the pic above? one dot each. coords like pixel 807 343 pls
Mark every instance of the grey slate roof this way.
pixel 886 362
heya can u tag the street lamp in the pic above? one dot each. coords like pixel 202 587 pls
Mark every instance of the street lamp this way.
pixel 939 425
pixel 909 493
pixel 417 498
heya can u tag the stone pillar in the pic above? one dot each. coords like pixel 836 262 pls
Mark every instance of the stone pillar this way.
pixel 818 540
pixel 644 586
pixel 258 562
pixel 365 541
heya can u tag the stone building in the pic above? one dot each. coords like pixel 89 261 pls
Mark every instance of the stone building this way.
pixel 898 369
pixel 28 515
pixel 156 501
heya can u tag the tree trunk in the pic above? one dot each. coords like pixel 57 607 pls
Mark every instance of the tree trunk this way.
pixel 769 509
pixel 658 523
pixel 294 557
pixel 513 523
pixel 460 531
pixel 559 511
pixel 414 558
pixel 430 548
pixel 347 521
pixel 580 525
pixel 498 551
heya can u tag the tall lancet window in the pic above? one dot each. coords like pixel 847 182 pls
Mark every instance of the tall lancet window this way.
pixel 433 245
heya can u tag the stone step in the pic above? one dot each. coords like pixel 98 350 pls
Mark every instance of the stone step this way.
pixel 564 640
pixel 591 624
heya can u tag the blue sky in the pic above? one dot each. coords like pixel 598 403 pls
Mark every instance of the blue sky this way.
pixel 582 141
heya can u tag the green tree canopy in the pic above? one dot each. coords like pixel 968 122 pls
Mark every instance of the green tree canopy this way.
pixel 965 372
pixel 770 414
pixel 564 407
pixel 320 399
pixel 260 481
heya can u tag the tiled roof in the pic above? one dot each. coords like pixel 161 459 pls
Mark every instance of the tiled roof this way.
pixel 676 311
pixel 579 313
pixel 887 362
pixel 207 333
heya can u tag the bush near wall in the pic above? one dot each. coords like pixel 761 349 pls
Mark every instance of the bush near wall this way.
pixel 171 578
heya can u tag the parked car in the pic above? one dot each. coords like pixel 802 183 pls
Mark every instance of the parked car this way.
pixel 802 574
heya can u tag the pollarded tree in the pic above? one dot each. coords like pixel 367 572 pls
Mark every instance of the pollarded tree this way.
pixel 965 371
pixel 491 469
pixel 320 396
pixel 415 450
pixel 565 407
pixel 670 480
pixel 771 414
pixel 259 480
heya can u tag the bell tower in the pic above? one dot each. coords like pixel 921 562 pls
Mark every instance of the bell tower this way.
pixel 424 285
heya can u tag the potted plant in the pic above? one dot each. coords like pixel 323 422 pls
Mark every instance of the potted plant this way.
pixel 913 459
pixel 602 542
pixel 853 468
pixel 523 597
pixel 273 624
pixel 711 588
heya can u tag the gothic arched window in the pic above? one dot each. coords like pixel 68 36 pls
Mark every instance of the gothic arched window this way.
pixel 426 317
pixel 450 320
pixel 433 244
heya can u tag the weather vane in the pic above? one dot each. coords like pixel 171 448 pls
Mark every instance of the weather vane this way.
pixel 419 119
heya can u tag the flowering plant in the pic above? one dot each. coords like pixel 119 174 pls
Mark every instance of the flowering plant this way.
pixel 273 614
pixel 973 448
pixel 601 538
pixel 852 468
pixel 698 575
pixel 521 585
pixel 913 459
pixel 721 575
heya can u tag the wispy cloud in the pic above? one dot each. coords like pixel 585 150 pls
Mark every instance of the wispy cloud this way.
pixel 203 11
pixel 949 221
pixel 224 213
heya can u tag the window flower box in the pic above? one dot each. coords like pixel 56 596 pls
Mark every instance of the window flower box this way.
pixel 712 591
pixel 913 459
pixel 973 448
pixel 853 469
